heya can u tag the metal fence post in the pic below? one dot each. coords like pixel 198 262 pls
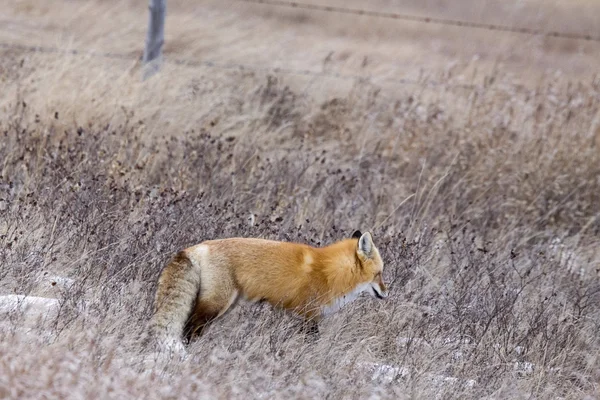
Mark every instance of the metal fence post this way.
pixel 155 37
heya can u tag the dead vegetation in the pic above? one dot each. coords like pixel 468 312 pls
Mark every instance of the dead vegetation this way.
pixel 483 202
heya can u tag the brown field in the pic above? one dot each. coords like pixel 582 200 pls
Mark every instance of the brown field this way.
pixel 472 155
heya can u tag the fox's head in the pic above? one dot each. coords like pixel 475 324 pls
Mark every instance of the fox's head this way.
pixel 371 264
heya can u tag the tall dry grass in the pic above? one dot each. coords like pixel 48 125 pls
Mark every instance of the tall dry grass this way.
pixel 483 202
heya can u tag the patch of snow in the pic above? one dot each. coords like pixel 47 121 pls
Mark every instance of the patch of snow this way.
pixel 457 340
pixel 59 282
pixel 449 341
pixel 451 381
pixel 385 373
pixel 30 305
pixel 575 262
pixel 35 334
pixel 524 367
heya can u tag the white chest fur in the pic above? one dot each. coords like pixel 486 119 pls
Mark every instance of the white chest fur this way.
pixel 341 301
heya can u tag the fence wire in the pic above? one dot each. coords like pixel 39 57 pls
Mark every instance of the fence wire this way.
pixel 422 19
pixel 243 67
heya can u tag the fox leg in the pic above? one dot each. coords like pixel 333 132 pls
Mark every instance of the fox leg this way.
pixel 310 328
pixel 207 309
pixel 310 324
pixel 177 291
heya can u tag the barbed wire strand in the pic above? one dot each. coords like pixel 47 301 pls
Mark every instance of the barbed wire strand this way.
pixel 242 67
pixel 422 19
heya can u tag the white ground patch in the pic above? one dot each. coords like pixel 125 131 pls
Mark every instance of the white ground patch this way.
pixel 30 315
pixel 52 285
pixel 36 335
pixel 524 367
pixel 59 282
pixel 385 373
pixel 34 307
pixel 586 265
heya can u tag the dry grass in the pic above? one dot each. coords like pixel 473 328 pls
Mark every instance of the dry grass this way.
pixel 483 202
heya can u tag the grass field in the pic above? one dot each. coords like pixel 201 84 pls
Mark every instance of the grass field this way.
pixel 472 155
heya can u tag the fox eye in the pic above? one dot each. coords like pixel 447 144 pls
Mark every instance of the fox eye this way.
pixel 377 275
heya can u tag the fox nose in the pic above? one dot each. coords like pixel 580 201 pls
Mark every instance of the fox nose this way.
pixel 383 291
pixel 380 291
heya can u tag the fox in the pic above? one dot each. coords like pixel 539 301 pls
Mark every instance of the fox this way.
pixel 201 283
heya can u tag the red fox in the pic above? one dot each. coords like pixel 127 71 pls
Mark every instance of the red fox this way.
pixel 203 281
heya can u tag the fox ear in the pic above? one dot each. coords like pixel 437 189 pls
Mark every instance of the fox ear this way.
pixel 365 244
pixel 356 235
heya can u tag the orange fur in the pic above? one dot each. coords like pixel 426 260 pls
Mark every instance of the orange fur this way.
pixel 202 282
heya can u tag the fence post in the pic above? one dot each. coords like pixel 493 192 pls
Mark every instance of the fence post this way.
pixel 155 37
